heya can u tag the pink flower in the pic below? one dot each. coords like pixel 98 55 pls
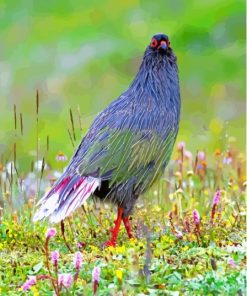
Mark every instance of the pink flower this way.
pixel 196 217
pixel 78 260
pixel 201 155
pixel 50 233
pixel 181 146
pixel 216 199
pixel 179 234
pixel 80 245
pixel 54 257
pixel 227 160
pixel 65 279
pixel 231 262
pixel 61 157
pixel 188 154
pixel 29 283
pixel 96 274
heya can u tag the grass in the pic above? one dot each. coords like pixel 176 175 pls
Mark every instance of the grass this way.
pixel 172 254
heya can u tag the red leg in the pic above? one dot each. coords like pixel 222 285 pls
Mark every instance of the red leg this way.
pixel 128 227
pixel 115 230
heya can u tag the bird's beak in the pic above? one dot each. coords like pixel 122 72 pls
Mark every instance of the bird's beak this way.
pixel 163 45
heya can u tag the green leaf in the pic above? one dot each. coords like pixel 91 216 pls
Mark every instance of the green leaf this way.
pixel 36 268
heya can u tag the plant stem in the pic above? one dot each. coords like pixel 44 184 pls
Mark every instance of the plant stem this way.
pixel 57 291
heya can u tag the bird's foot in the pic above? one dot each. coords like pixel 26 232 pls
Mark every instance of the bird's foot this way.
pixel 115 230
pixel 109 243
pixel 128 227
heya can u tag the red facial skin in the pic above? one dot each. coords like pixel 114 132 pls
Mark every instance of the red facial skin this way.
pixel 156 44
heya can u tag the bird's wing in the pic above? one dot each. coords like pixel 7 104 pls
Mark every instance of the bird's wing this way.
pixel 125 141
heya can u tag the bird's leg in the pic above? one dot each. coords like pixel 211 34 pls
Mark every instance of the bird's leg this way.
pixel 115 230
pixel 127 225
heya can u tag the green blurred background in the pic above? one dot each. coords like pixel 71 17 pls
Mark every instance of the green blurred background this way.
pixel 83 54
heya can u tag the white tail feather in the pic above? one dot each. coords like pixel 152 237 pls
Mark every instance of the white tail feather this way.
pixel 47 207
pixel 56 208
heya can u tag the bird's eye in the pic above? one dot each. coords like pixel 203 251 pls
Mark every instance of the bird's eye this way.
pixel 154 43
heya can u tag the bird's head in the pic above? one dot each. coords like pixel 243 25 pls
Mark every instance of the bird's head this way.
pixel 159 59
pixel 160 43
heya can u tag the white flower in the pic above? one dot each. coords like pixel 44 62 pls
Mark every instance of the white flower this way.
pixel 10 168
pixel 38 165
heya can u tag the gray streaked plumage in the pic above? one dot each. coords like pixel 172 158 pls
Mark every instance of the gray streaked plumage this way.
pixel 129 144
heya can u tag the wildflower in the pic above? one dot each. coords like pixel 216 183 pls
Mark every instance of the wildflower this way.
pixel 54 257
pixel 61 157
pixel 34 291
pixel 95 277
pixel 39 165
pixel 179 234
pixel 77 263
pixel 96 274
pixel 156 208
pixel 65 279
pixel 187 225
pixel 216 199
pixel 188 154
pixel 181 146
pixel 196 220
pixel 227 160
pixel 119 274
pixel 202 165
pixel 29 283
pixel 231 263
pixel 81 245
pixel 196 217
pixel 78 260
pixel 10 168
pixel 179 191
pixel 190 173
pixel 178 175
pixel 201 155
pixel 217 152
pixel 50 233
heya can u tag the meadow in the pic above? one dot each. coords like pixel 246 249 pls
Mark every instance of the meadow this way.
pixel 190 236
pixel 61 63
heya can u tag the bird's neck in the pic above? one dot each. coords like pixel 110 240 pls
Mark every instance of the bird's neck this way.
pixel 158 78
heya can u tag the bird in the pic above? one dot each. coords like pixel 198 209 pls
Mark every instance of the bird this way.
pixel 128 145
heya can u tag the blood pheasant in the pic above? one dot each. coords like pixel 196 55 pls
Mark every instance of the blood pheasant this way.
pixel 128 145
